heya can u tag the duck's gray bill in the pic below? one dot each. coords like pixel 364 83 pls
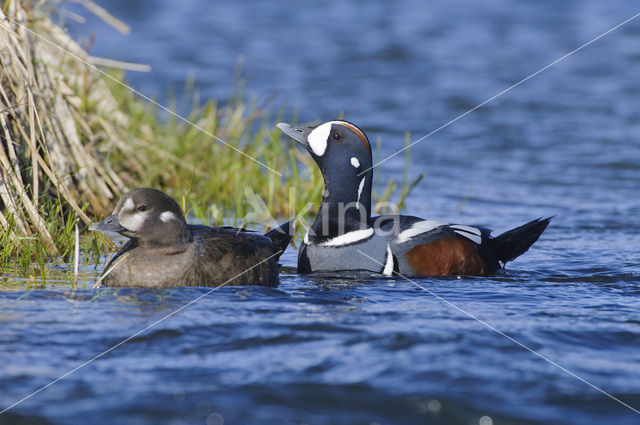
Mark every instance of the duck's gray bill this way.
pixel 109 224
pixel 299 134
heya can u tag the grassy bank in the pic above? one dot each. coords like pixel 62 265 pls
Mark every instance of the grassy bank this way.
pixel 217 180
pixel 74 140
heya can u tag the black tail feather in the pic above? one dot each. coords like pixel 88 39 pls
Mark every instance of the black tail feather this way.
pixel 515 242
pixel 280 236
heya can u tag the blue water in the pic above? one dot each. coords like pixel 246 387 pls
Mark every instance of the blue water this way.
pixel 322 351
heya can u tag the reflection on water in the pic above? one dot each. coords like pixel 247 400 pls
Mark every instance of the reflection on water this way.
pixel 360 351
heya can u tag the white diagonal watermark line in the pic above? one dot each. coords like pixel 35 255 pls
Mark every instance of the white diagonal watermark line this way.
pixel 504 91
pixel 124 341
pixel 548 360
pixel 147 98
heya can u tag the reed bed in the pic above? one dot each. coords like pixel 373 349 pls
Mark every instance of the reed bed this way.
pixel 51 108
pixel 73 140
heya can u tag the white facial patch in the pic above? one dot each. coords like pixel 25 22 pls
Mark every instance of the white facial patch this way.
pixel 167 216
pixel 132 221
pixel 129 218
pixel 355 162
pixel 418 228
pixel 318 138
pixel 128 205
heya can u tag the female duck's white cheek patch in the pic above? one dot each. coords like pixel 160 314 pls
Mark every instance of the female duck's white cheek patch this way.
pixel 132 222
pixel 318 138
pixel 128 205
pixel 167 216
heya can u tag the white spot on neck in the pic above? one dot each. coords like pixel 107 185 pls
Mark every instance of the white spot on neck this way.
pixel 418 228
pixel 355 162
pixel 318 138
pixel 388 266
pixel 167 216
pixel 349 238
pixel 360 191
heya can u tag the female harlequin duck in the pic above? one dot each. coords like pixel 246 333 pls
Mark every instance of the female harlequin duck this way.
pixel 344 236
pixel 163 250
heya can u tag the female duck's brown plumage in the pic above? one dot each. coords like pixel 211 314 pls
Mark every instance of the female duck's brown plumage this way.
pixel 163 250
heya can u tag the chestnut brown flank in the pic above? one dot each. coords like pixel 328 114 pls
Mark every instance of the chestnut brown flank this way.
pixel 359 133
pixel 446 257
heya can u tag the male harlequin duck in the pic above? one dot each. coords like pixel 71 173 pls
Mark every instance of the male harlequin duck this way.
pixel 163 250
pixel 344 236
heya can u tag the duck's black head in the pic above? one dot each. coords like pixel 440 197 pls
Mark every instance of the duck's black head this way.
pixel 150 217
pixel 343 153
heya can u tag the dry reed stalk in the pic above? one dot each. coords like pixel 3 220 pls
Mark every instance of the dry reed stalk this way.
pixel 56 112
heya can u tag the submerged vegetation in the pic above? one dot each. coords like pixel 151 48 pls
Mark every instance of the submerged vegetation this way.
pixel 73 139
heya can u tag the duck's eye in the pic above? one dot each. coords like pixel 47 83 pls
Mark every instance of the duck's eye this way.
pixel 142 208
pixel 336 136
